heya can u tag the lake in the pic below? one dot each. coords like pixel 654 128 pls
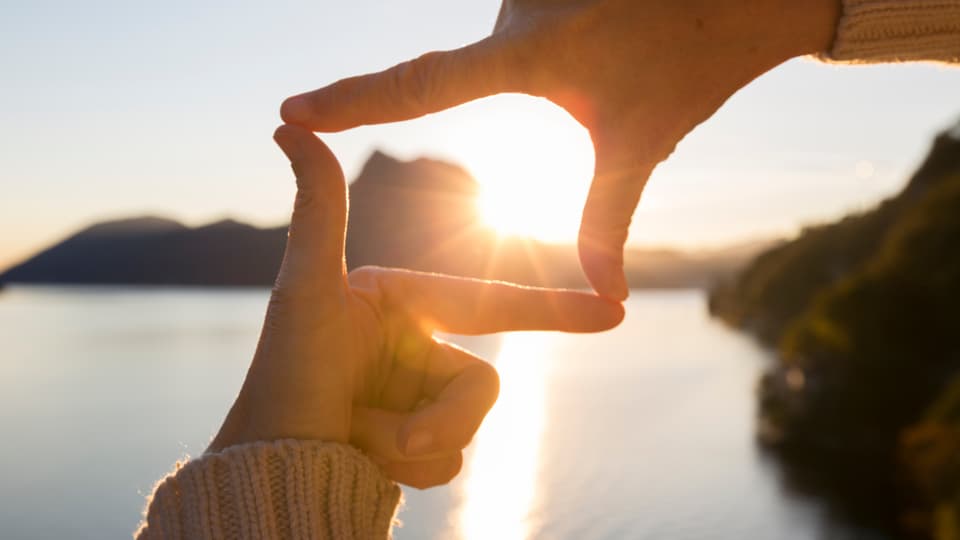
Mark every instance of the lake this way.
pixel 643 432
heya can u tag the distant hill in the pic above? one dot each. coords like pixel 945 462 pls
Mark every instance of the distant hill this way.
pixel 419 214
pixel 865 316
pixel 158 252
pixel 780 284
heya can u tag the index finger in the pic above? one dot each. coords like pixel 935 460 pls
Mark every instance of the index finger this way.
pixel 473 306
pixel 430 83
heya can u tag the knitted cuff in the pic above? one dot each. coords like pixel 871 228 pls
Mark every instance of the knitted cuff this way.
pixel 897 31
pixel 282 489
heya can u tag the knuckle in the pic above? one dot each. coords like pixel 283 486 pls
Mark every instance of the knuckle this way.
pixel 610 228
pixel 279 309
pixel 364 276
pixel 295 307
pixel 530 44
pixel 605 223
pixel 282 296
pixel 305 199
pixel 521 58
pixel 414 81
pixel 285 302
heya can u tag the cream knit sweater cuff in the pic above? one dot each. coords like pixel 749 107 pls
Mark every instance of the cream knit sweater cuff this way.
pixel 282 489
pixel 897 31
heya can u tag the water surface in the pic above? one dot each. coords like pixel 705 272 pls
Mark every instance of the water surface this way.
pixel 642 432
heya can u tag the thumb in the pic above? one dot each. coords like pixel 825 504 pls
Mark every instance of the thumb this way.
pixel 430 83
pixel 619 178
pixel 313 260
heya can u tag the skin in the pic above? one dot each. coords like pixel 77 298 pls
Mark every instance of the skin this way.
pixel 638 74
pixel 350 358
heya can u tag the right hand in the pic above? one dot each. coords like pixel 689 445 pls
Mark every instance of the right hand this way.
pixel 638 74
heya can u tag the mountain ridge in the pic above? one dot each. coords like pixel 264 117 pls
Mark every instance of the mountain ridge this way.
pixel 418 214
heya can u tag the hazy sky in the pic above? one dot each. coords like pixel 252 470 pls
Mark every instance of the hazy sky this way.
pixel 117 108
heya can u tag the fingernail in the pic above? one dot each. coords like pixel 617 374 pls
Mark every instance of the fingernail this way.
pixel 615 283
pixel 284 138
pixel 295 108
pixel 290 141
pixel 608 280
pixel 618 288
pixel 418 443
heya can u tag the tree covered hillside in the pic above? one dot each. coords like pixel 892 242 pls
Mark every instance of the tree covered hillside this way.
pixel 865 317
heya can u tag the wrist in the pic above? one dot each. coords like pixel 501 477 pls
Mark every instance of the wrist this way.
pixel 234 431
pixel 751 37
pixel 250 420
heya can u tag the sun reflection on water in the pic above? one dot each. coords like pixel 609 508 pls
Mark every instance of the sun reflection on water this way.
pixel 501 477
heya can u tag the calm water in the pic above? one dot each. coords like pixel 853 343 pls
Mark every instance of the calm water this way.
pixel 643 432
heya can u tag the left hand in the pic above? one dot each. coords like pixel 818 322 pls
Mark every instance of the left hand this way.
pixel 351 358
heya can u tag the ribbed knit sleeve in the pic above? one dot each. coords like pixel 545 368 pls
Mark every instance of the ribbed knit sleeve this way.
pixel 271 490
pixel 897 31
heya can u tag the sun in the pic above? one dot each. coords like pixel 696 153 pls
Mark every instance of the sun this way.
pixel 522 206
pixel 533 163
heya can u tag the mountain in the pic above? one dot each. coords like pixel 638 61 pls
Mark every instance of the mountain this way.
pixel 158 251
pixel 423 215
pixel 417 214
pixel 864 315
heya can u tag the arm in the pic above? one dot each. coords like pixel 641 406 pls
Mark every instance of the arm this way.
pixel 349 361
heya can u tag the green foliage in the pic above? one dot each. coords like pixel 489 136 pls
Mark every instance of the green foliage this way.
pixel 867 310
pixel 886 338
pixel 779 285
pixel 930 450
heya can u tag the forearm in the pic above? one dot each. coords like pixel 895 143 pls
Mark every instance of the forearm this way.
pixel 281 489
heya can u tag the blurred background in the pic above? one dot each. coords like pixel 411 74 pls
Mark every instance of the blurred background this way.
pixel 787 367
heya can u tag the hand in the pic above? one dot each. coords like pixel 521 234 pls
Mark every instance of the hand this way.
pixel 638 74
pixel 351 358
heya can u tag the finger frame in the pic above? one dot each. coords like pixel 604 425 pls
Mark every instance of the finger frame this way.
pixel 456 305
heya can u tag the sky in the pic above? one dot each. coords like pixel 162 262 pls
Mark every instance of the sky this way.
pixel 121 108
